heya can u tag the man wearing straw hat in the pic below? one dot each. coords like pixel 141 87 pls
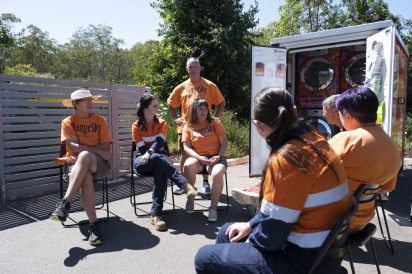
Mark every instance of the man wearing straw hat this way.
pixel 88 143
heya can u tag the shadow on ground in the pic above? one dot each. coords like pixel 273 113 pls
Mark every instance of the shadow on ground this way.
pixel 400 260
pixel 118 234
pixel 37 208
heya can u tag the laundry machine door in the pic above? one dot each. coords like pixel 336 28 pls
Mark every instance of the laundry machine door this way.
pixel 355 70
pixel 317 74
pixel 321 125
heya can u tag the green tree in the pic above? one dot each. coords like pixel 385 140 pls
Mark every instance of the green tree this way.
pixel 142 55
pixel 219 33
pixel 34 47
pixel 7 39
pixel 89 54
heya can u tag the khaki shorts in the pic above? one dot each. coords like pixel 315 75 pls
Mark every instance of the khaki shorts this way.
pixel 103 167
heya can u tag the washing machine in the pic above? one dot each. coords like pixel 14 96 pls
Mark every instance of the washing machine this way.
pixel 315 118
pixel 352 67
pixel 317 76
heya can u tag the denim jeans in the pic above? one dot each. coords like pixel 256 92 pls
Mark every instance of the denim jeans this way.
pixel 161 169
pixel 242 257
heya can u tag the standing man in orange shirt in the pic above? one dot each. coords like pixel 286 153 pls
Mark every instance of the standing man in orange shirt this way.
pixel 89 144
pixel 183 96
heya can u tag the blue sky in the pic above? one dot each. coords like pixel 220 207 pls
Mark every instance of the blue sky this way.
pixel 132 20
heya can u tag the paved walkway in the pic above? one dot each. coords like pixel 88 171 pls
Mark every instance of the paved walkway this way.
pixel 30 243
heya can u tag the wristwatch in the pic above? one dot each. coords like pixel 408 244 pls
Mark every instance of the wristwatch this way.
pixel 221 157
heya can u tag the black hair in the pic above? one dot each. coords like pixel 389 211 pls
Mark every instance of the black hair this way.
pixel 144 103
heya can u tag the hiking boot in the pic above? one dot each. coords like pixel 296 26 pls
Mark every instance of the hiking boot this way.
pixel 159 223
pixel 190 191
pixel 206 187
pixel 61 212
pixel 95 236
pixel 212 217
pixel 177 190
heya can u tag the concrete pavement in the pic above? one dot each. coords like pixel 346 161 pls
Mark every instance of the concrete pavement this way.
pixel 30 243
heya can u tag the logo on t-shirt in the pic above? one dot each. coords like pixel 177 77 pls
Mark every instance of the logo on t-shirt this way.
pixel 208 129
pixel 196 90
pixel 93 127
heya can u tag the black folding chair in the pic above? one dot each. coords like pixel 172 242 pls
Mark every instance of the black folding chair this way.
pixel 140 176
pixel 334 244
pixel 388 240
pixel 364 194
pixel 64 180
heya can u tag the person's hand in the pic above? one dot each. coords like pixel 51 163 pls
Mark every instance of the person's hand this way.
pixel 204 161
pixel 179 121
pixel 145 158
pixel 71 160
pixel 214 160
pixel 238 231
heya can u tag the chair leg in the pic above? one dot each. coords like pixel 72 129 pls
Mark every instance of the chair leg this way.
pixel 227 192
pixel 388 239
pixel 375 256
pixel 352 267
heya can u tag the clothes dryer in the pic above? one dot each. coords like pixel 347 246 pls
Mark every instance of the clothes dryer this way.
pixel 315 118
pixel 352 67
pixel 317 76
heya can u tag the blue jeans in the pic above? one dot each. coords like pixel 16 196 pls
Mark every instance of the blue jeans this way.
pixel 241 257
pixel 161 169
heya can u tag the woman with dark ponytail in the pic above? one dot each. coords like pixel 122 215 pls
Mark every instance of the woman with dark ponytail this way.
pixel 303 194
pixel 149 133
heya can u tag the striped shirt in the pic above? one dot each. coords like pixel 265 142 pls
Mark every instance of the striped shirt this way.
pixel 301 206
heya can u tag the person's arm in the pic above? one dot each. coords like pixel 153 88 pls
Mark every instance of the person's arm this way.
pixel 178 120
pixel 219 109
pixel 187 146
pixel 103 150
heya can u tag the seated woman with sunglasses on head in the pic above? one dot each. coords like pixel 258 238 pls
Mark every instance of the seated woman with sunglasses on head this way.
pixel 149 133
pixel 303 194
pixel 205 142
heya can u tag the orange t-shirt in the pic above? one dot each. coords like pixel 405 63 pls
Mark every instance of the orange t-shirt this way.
pixel 368 155
pixel 184 94
pixel 147 137
pixel 205 137
pixel 90 132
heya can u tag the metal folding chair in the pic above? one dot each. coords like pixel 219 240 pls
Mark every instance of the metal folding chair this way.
pixel 139 176
pixel 336 240
pixel 64 180
pixel 364 194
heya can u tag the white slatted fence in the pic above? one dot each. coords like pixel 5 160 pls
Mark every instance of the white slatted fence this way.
pixel 30 117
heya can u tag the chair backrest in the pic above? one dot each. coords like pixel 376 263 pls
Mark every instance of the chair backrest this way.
pixel 366 193
pixel 337 236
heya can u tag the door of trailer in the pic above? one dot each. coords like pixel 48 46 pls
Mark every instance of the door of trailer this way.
pixel 386 75
pixel 268 69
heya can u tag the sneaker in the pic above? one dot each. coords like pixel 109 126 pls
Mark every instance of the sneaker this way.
pixel 177 190
pixel 95 236
pixel 206 188
pixel 190 191
pixel 159 223
pixel 248 196
pixel 61 212
pixel 212 217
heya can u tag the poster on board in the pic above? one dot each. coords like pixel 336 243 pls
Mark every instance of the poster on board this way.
pixel 269 66
pixel 378 74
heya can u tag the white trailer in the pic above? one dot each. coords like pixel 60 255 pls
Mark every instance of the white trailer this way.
pixel 313 66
